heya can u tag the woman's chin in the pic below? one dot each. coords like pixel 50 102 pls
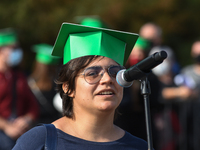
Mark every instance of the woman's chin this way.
pixel 108 106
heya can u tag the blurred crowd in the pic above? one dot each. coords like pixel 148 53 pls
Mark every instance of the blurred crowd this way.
pixel 25 100
pixel 28 100
pixel 174 99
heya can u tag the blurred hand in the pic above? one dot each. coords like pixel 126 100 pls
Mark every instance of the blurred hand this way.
pixel 184 92
pixel 17 127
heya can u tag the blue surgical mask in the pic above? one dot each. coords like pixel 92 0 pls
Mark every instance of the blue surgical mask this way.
pixel 15 57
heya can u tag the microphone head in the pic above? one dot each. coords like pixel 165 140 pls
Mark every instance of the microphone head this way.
pixel 120 79
pixel 160 56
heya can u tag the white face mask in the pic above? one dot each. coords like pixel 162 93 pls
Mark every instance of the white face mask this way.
pixel 15 57
pixel 162 69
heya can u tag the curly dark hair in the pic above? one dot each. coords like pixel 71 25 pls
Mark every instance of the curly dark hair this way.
pixel 67 75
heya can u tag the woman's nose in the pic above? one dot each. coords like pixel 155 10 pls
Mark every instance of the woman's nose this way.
pixel 106 78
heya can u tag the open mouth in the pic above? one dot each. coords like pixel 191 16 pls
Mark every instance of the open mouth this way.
pixel 106 93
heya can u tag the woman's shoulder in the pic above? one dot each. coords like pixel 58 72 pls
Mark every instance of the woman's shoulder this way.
pixel 130 136
pixel 34 139
pixel 134 141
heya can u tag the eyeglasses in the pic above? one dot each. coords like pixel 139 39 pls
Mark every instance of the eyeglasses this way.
pixel 94 74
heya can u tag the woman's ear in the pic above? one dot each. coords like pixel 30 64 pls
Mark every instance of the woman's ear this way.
pixel 65 89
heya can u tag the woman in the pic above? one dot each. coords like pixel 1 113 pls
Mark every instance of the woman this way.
pixel 89 91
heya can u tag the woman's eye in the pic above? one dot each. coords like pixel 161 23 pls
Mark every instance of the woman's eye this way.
pixel 92 73
pixel 114 70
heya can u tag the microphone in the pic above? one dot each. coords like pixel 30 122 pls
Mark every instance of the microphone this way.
pixel 138 71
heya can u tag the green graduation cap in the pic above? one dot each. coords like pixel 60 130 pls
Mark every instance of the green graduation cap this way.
pixel 143 43
pixel 8 37
pixel 92 22
pixel 75 41
pixel 43 54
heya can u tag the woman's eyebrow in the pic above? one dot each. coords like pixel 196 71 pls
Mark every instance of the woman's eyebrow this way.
pixel 93 67
pixel 96 66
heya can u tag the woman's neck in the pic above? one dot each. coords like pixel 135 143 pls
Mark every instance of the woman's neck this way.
pixel 91 128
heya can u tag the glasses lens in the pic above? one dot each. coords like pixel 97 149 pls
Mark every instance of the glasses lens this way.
pixel 113 70
pixel 93 74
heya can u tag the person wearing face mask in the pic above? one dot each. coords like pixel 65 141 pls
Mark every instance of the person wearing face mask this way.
pixel 139 52
pixel 41 81
pixel 18 106
pixel 152 32
pixel 193 71
pixel 190 77
pixel 167 120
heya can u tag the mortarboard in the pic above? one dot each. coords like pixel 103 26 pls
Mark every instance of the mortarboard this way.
pixel 143 43
pixel 43 54
pixel 8 37
pixel 75 41
pixel 92 22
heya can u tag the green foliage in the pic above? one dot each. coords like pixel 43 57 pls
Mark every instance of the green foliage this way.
pixel 40 21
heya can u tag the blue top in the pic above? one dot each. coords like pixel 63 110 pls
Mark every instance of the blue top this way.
pixel 34 139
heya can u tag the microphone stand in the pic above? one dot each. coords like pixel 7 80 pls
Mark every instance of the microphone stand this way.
pixel 146 91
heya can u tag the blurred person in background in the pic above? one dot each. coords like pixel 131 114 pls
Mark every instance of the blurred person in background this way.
pixel 166 120
pixel 190 77
pixel 139 52
pixel 18 106
pixel 168 93
pixel 192 72
pixel 41 81
pixel 151 32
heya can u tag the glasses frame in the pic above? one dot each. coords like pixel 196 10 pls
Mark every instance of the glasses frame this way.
pixel 105 69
